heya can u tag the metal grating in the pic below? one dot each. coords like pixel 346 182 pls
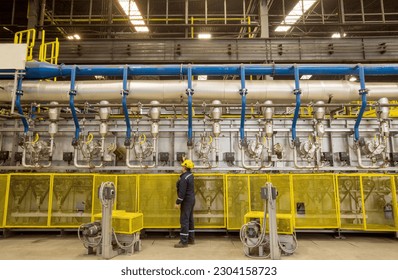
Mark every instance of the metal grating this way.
pixel 28 201
pixel 71 200
pixel 315 201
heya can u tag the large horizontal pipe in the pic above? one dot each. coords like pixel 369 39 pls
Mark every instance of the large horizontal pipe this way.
pixel 40 70
pixel 174 91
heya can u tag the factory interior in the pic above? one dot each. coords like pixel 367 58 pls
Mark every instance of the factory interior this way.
pixel 287 109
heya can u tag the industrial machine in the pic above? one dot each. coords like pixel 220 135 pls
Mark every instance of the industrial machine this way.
pixel 99 120
pixel 100 237
pixel 260 237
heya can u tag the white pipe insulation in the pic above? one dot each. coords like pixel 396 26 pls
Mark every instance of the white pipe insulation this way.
pixel 174 91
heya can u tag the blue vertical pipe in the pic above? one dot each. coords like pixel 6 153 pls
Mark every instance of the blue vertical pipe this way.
pixel 72 94
pixel 189 93
pixel 297 92
pixel 19 93
pixel 125 92
pixel 243 93
pixel 363 91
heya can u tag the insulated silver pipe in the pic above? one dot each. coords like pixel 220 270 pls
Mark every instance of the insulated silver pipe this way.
pixel 174 91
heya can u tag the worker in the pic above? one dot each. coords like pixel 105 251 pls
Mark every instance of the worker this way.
pixel 185 202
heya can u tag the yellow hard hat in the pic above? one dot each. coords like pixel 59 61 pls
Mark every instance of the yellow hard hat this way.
pixel 188 164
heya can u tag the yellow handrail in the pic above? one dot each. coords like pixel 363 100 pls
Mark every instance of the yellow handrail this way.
pixel 50 47
pixel 30 36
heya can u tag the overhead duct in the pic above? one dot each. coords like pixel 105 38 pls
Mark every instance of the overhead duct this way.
pixel 174 91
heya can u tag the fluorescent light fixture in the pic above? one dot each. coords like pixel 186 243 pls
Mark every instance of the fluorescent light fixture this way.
pixel 337 35
pixel 305 77
pixel 352 79
pixel 131 10
pixel 5 28
pixel 204 36
pixel 202 77
pixel 70 37
pixel 76 36
pixel 294 16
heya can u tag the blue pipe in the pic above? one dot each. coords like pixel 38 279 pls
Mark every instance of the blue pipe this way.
pixel 363 92
pixel 125 92
pixel 189 92
pixel 297 92
pixel 72 94
pixel 243 93
pixel 41 70
pixel 19 93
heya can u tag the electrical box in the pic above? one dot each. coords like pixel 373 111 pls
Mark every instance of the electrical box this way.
pixel 164 157
pixel 4 155
pixel 18 157
pixel 344 157
pixel 67 157
pixel 300 208
pixel 180 156
pixel 394 159
pixel 229 157
pixel 327 157
pixel 264 193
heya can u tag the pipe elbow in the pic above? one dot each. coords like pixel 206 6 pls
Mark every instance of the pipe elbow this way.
pixel 361 165
pixel 296 165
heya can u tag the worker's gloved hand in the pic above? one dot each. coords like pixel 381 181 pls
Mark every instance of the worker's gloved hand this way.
pixel 177 206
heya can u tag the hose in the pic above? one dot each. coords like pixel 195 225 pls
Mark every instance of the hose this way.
pixel 37 137
pixel 142 141
pixel 19 93
pixel 125 92
pixel 124 247
pixel 90 138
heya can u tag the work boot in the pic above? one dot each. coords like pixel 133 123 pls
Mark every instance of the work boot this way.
pixel 191 241
pixel 180 245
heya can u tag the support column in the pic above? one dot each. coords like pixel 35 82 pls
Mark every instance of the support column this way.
pixel 186 18
pixel 110 12
pixel 33 13
pixel 264 22
pixel 42 15
pixel 341 17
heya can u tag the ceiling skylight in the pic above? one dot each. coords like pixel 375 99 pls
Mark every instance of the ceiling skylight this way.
pixel 134 14
pixel 294 16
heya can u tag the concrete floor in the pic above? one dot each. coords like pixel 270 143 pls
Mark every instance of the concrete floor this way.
pixel 156 246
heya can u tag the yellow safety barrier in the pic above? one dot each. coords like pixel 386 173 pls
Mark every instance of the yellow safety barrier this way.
pixel 156 200
pixel 71 200
pixel 315 201
pixel 3 194
pixel 127 193
pixel 27 37
pixel 237 193
pixel 28 201
pixel 210 201
pixel 365 202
